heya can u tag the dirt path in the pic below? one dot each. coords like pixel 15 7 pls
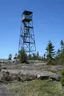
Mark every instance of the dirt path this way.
pixel 4 91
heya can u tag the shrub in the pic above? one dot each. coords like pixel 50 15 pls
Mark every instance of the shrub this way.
pixel 51 62
pixel 62 72
pixel 22 56
pixel 62 81
pixel 52 70
pixel 62 77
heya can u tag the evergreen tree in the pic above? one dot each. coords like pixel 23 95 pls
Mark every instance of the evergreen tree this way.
pixel 62 44
pixel 10 57
pixel 34 56
pixel 16 56
pixel 37 55
pixel 50 50
pixel 22 56
pixel 60 53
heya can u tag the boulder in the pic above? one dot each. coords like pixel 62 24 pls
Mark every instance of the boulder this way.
pixel 5 76
pixel 54 77
pixel 25 75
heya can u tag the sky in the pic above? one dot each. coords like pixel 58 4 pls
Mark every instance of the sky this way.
pixel 48 23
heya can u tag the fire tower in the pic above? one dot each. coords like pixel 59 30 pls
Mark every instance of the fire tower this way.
pixel 27 37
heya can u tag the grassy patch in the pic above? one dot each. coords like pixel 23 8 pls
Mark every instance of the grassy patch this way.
pixel 62 71
pixel 46 69
pixel 62 76
pixel 37 88
pixel 52 70
pixel 40 68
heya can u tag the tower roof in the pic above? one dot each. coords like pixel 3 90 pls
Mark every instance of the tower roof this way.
pixel 27 12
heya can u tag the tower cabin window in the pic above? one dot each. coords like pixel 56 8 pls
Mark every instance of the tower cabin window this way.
pixel 28 17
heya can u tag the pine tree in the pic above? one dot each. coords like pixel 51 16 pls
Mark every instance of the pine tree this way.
pixel 60 53
pixel 10 57
pixel 22 56
pixel 62 44
pixel 16 56
pixel 50 50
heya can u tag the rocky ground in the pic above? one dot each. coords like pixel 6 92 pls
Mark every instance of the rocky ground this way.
pixel 23 72
pixel 38 69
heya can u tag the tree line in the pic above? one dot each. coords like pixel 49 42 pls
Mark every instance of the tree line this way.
pixel 51 56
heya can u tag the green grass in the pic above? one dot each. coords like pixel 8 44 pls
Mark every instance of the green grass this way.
pixel 37 88
pixel 62 71
pixel 46 69
pixel 40 68
pixel 52 70
pixel 62 76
